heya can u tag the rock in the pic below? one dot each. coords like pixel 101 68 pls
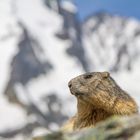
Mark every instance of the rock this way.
pixel 115 128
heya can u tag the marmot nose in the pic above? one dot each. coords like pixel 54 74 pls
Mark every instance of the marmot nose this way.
pixel 70 84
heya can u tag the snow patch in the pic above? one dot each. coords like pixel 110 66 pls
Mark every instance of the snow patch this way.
pixel 69 6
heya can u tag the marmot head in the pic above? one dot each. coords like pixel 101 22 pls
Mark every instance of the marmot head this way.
pixel 97 88
pixel 83 84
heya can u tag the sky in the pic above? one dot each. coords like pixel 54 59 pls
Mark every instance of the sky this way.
pixel 126 8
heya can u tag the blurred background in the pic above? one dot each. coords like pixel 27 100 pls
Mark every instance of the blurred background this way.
pixel 45 43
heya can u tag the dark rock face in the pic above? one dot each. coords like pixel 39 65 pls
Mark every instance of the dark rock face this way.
pixel 26 65
pixel 53 4
pixel 72 31
pixel 53 113
pixel 44 119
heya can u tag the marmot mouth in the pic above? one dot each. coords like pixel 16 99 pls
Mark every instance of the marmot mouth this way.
pixel 77 93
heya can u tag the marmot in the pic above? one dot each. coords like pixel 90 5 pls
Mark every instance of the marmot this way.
pixel 98 97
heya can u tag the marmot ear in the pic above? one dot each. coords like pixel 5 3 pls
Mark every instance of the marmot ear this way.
pixel 105 74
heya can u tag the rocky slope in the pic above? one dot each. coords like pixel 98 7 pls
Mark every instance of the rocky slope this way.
pixel 115 128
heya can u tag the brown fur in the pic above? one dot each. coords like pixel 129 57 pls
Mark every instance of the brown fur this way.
pixel 98 97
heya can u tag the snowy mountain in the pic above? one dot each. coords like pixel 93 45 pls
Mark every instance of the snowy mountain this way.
pixel 114 37
pixel 43 45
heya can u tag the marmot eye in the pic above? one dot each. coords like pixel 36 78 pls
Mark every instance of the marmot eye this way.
pixel 87 76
